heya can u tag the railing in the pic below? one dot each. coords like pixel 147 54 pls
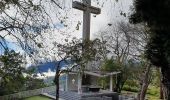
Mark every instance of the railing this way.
pixel 28 93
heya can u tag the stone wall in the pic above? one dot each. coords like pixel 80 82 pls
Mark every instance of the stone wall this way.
pixel 28 93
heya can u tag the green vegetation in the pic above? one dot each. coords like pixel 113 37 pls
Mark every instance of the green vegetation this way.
pixel 129 88
pixel 152 92
pixel 128 76
pixel 126 44
pixel 37 98
pixel 132 76
pixel 11 70
pixel 12 74
pixel 155 15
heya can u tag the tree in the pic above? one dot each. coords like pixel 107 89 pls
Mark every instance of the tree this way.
pixel 126 44
pixel 57 76
pixel 12 74
pixel 155 15
pixel 24 21
pixel 145 80
pixel 110 65
pixel 32 83
pixel 11 71
pixel 72 53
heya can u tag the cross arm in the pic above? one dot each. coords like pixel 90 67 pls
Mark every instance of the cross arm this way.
pixel 84 7
pixel 78 5
pixel 95 10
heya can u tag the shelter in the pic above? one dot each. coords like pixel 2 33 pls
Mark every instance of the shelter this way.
pixel 86 82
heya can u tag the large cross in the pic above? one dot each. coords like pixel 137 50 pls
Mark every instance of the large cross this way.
pixel 87 10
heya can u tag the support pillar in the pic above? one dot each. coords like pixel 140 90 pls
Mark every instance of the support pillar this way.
pixel 79 83
pixel 66 87
pixel 111 83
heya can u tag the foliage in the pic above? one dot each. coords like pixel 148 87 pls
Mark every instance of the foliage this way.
pixel 155 15
pixel 156 77
pixel 129 88
pixel 110 65
pixel 139 83
pixel 12 74
pixel 157 48
pixel 24 21
pixel 153 90
pixel 132 83
pixel 33 83
pixel 152 93
pixel 126 44
pixel 129 71
pixel 128 75
pixel 81 52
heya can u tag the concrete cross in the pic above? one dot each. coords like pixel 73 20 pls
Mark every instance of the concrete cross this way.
pixel 87 10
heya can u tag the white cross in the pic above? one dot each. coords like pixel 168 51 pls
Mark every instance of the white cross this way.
pixel 87 10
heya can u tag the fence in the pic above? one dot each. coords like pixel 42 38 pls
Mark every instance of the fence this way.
pixel 28 93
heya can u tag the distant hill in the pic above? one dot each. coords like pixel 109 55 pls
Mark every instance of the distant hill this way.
pixel 46 66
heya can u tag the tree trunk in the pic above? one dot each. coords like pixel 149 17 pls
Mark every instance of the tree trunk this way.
pixel 144 83
pixel 56 79
pixel 166 82
pixel 57 88
pixel 161 91
pixel 161 85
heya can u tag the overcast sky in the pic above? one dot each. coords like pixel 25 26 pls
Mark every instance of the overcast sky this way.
pixel 110 13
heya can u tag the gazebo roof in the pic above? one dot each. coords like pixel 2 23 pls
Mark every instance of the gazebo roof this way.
pixel 98 73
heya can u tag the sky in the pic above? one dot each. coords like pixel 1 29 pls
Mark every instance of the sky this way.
pixel 110 13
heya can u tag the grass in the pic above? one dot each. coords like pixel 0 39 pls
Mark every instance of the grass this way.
pixel 152 92
pixel 151 97
pixel 37 98
pixel 148 96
